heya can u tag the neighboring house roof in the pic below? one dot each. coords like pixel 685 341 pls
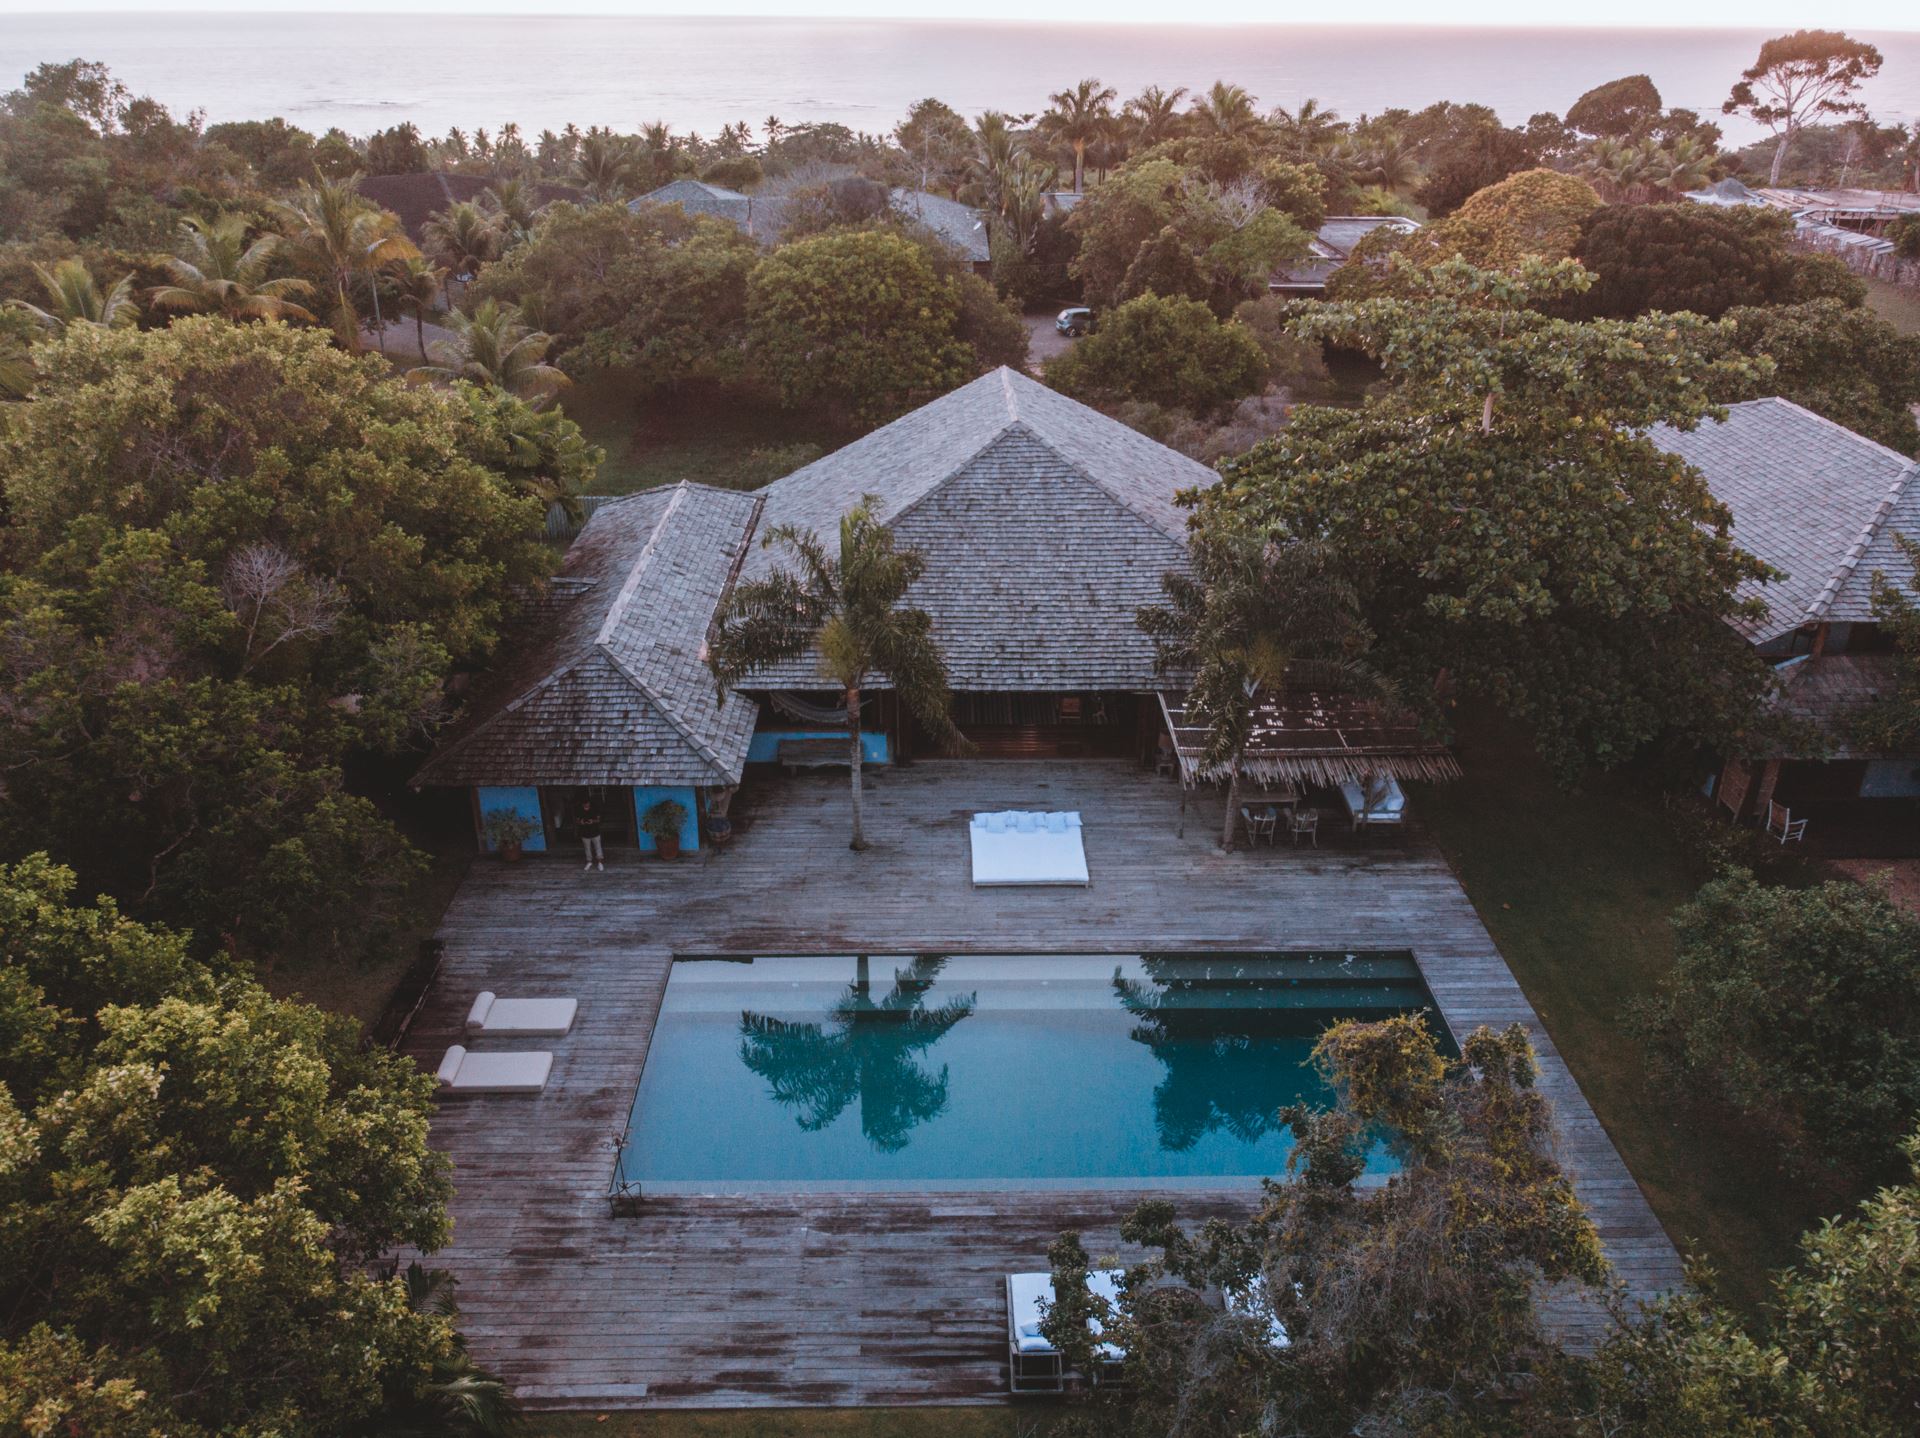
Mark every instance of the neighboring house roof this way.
pixel 757 215
pixel 418 197
pixel 606 683
pixel 1045 526
pixel 1330 246
pixel 1811 498
pixel 1829 692
pixel 1727 194
pixel 963 228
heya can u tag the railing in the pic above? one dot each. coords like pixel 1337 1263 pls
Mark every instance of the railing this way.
pixel 390 1029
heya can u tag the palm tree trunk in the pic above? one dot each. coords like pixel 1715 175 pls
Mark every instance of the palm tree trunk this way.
pixel 853 740
pixel 1233 806
pixel 1079 165
pixel 420 331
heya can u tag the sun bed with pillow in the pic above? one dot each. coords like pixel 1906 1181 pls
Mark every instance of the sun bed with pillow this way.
pixel 1023 848
pixel 1033 1364
pixel 465 1072
pixel 1385 803
pixel 520 1018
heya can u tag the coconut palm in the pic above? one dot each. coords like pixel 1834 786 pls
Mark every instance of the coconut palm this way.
pixel 1078 118
pixel 1154 115
pixel 1387 160
pixel 867 1051
pixel 342 235
pixel 491 348
pixel 1686 164
pixel 216 270
pixel 604 166
pixel 463 237
pixel 1254 616
pixel 1308 131
pixel 513 204
pixel 418 284
pixel 1225 112
pixel 452 1397
pixel 74 300
pixel 846 610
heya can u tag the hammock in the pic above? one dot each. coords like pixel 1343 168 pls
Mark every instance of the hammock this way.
pixel 797 708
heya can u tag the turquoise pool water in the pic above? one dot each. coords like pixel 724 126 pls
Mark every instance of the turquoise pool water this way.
pixel 993 1070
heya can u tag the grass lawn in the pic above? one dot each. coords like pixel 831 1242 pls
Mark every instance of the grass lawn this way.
pixel 801 1423
pixel 1896 304
pixel 705 435
pixel 1576 890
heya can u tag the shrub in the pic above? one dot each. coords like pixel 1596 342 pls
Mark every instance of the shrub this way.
pixel 1169 352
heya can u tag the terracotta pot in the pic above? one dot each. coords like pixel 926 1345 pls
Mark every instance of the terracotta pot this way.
pixel 510 853
pixel 669 848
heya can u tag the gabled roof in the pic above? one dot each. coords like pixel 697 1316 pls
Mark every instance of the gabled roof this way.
pixel 606 683
pixel 960 227
pixel 1811 498
pixel 697 197
pixel 1045 526
pixel 1330 247
pixel 1829 693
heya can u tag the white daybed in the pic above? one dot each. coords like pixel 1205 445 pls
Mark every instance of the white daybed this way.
pixel 1033 1364
pixel 521 1018
pixel 1251 1302
pixel 1018 848
pixel 1389 804
pixel 465 1072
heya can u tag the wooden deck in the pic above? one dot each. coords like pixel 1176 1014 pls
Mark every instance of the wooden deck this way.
pixel 857 1299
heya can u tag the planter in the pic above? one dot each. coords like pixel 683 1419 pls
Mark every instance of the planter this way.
pixel 669 846
pixel 719 831
pixel 510 853
pixel 662 824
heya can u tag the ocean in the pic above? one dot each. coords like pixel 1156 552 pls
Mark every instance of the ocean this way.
pixel 365 72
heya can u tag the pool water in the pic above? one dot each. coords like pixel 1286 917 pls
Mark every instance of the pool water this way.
pixel 994 1070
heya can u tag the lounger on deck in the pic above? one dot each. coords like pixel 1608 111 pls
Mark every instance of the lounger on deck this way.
pixel 466 1072
pixel 1251 1302
pixel 1033 1364
pixel 521 1018
pixel 1022 848
pixel 1388 804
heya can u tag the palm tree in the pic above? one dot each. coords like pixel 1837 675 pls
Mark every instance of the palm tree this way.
pixel 217 271
pixel 513 204
pixel 418 284
pixel 870 1054
pixel 1226 112
pixel 463 237
pixel 1154 115
pixel 74 300
pixel 1254 616
pixel 604 167
pixel 1389 162
pixel 491 348
pixel 453 1397
pixel 846 609
pixel 342 235
pixel 1686 164
pixel 1077 118
pixel 1307 131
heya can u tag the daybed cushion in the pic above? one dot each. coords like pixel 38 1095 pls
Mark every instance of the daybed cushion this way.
pixel 525 1018
pixel 1020 848
pixel 1252 1303
pixel 1024 1292
pixel 1389 809
pixel 466 1072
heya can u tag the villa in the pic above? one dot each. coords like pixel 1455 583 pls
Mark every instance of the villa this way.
pixel 961 228
pixel 1331 247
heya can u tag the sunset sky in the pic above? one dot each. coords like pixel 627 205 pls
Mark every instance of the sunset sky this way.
pixel 1739 14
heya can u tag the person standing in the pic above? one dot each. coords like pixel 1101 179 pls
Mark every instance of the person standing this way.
pixel 588 821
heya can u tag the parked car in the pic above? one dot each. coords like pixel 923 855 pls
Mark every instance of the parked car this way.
pixel 1074 322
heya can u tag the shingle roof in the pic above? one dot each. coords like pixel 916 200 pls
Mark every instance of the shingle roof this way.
pixel 960 226
pixel 1808 496
pixel 1830 691
pixel 606 683
pixel 1330 246
pixel 1044 523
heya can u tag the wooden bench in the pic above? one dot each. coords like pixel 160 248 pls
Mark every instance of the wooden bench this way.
pixel 815 754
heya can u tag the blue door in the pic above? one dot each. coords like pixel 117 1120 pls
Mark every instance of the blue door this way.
pixel 523 800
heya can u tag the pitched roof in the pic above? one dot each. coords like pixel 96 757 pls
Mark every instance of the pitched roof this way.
pixel 606 683
pixel 1330 247
pixel 959 226
pixel 1830 691
pixel 1045 526
pixel 1808 496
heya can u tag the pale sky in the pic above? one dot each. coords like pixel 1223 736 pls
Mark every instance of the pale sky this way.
pixel 1731 14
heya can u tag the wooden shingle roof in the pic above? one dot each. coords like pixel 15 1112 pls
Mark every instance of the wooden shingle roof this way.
pixel 607 682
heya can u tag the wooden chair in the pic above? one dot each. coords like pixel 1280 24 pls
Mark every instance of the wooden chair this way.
pixel 1261 823
pixel 1304 821
pixel 1783 826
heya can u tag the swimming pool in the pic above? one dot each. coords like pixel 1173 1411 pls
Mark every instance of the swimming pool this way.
pixel 993 1070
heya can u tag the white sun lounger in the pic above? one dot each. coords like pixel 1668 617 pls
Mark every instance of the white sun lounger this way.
pixel 1018 848
pixel 1033 1364
pixel 521 1018
pixel 466 1072
pixel 1251 1302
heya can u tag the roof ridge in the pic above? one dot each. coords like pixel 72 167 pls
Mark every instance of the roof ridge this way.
pixel 665 711
pixel 1850 561
pixel 1178 537
pixel 640 562
pixel 1853 434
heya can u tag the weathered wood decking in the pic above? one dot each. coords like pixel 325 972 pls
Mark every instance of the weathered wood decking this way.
pixel 850 1299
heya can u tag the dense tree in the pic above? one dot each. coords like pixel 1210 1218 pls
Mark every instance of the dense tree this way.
pixel 1799 78
pixel 858 322
pixel 1840 361
pixel 235 552
pixel 1536 212
pixel 1685 257
pixel 938 145
pixel 1077 118
pixel 1508 523
pixel 340 238
pixel 846 608
pixel 397 151
pixel 1464 148
pixel 1618 109
pixel 74 300
pixel 1166 351
pixel 217 269
pixel 491 347
pixel 1398 1303
pixel 1889 723
pixel 1801 1009
pixel 464 237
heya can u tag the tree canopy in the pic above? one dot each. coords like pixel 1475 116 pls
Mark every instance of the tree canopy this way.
pixel 1800 78
pixel 1165 351
pixel 1840 361
pixel 1534 212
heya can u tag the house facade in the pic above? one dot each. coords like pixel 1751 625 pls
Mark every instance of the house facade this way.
pixel 1822 505
pixel 1332 246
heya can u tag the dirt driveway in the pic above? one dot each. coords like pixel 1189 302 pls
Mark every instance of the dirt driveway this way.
pixel 1044 342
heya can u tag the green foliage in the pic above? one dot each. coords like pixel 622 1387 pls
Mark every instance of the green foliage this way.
pixel 1905 234
pixel 507 828
pixel 1797 1007
pixel 1685 257
pixel 193 1177
pixel 236 553
pixel 1397 1301
pixel 663 821
pixel 1618 108
pixel 1509 524
pixel 1533 213
pixel 1800 78
pixel 1294 365
pixel 1890 723
pixel 1169 352
pixel 859 323
pixel 1843 362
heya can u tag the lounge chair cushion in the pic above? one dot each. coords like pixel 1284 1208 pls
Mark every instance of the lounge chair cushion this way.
pixel 524 1018
pixel 1026 1290
pixel 467 1072
pixel 1018 848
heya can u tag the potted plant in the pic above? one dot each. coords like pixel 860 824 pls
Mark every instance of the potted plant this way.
pixel 507 832
pixel 662 824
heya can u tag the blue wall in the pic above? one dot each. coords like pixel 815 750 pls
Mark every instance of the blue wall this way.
pixel 645 799
pixel 524 801
pixel 1891 779
pixel 765 748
